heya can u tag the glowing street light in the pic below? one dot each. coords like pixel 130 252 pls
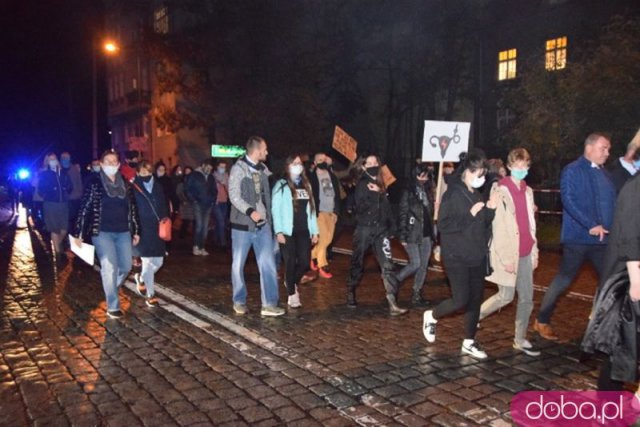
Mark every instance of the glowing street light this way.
pixel 111 47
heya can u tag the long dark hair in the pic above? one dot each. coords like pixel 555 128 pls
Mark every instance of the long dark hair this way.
pixel 378 178
pixel 292 186
pixel 473 160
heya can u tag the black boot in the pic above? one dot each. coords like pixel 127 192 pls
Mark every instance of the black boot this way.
pixel 418 300
pixel 394 310
pixel 351 298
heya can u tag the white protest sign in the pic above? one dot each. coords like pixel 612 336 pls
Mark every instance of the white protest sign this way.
pixel 444 141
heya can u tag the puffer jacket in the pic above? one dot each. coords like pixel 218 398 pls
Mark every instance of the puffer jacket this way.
pixel 90 213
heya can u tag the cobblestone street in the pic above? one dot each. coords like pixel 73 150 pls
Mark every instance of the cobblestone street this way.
pixel 191 361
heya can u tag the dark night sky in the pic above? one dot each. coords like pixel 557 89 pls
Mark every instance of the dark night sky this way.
pixel 45 73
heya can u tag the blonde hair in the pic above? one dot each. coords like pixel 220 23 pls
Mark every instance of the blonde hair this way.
pixel 635 141
pixel 517 155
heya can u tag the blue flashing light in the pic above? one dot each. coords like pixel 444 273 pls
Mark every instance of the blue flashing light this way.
pixel 23 174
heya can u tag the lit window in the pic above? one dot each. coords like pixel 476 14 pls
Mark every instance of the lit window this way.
pixel 507 64
pixel 161 20
pixel 556 54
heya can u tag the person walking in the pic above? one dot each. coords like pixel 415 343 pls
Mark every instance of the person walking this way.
pixel 416 231
pixel 514 248
pixel 108 216
pixel 55 187
pixel 221 208
pixel 588 202
pixel 72 170
pixel 326 194
pixel 464 223
pixel 294 224
pixel 373 228
pixel 251 222
pixel 200 189
pixel 166 183
pixel 152 207
pixel 186 207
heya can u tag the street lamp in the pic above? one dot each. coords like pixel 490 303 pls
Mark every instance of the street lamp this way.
pixel 111 48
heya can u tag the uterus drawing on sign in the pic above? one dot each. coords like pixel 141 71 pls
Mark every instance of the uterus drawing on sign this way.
pixel 445 141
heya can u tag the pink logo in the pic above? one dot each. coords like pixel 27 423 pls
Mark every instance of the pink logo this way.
pixel 574 408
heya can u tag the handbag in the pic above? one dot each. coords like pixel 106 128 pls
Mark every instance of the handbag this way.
pixel 164 224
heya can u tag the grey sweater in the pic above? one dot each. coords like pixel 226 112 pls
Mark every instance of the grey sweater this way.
pixel 243 196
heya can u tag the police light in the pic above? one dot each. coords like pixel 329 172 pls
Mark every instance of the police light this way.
pixel 23 174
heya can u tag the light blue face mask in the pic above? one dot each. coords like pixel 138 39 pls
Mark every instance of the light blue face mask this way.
pixel 519 174
pixel 636 163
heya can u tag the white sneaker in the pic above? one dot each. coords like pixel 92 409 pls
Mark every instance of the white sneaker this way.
pixel 196 251
pixel 429 326
pixel 294 300
pixel 272 311
pixel 473 349
pixel 526 347
pixel 203 252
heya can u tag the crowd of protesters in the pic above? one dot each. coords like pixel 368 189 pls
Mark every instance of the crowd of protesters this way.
pixel 486 230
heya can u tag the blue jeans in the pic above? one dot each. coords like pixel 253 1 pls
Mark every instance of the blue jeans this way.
pixel 221 215
pixel 150 265
pixel 201 216
pixel 262 243
pixel 114 252
pixel 419 254
pixel 573 257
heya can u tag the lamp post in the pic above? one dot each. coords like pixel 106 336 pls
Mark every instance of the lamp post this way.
pixel 110 48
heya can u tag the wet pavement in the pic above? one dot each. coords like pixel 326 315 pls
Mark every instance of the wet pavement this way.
pixel 192 361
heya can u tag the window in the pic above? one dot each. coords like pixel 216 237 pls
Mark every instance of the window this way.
pixel 556 55
pixel 161 20
pixel 507 64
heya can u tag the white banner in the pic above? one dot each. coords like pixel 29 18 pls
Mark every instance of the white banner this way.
pixel 444 141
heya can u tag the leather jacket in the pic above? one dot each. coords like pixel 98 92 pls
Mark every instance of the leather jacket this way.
pixel 411 215
pixel 90 213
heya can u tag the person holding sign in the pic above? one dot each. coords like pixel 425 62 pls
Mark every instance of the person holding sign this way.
pixel 373 218
pixel 416 230
pixel 465 227
pixel 109 216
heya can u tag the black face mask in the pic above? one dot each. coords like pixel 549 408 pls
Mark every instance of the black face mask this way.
pixel 146 178
pixel 322 166
pixel 133 164
pixel 373 171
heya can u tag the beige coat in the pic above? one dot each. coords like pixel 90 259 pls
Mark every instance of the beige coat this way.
pixel 506 240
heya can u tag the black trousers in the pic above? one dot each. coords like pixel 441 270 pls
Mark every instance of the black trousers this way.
pixel 467 286
pixel 296 253
pixel 363 238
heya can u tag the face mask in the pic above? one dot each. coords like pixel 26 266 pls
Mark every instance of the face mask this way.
pixel 95 168
pixel 295 170
pixel 636 163
pixel 221 171
pixel 178 172
pixel 53 164
pixel 65 163
pixel 478 182
pixel 161 173
pixel 146 178
pixel 133 164
pixel 110 170
pixel 519 174
pixel 373 171
pixel 323 166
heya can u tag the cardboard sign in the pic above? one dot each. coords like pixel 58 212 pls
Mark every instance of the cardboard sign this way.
pixel 444 141
pixel 387 176
pixel 344 144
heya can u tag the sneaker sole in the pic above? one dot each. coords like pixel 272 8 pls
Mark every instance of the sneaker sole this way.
pixel 424 323
pixel 271 314
pixel 471 354
pixel 111 316
pixel 528 352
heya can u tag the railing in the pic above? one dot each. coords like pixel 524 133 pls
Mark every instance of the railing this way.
pixel 548 201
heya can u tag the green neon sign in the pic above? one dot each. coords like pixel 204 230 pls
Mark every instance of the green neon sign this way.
pixel 227 151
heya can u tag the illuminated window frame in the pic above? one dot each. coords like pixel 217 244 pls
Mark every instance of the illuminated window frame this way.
pixel 507 64
pixel 161 20
pixel 555 57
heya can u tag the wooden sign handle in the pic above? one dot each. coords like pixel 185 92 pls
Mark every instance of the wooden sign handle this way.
pixel 438 193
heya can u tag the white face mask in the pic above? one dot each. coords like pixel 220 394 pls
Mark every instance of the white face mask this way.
pixel 110 170
pixel 53 164
pixel 161 173
pixel 478 182
pixel 95 168
pixel 295 170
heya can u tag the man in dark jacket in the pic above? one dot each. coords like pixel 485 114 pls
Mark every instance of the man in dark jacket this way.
pixel 624 168
pixel 588 200
pixel 326 192
pixel 200 188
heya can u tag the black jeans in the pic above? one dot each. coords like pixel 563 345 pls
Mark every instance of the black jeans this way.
pixel 296 253
pixel 363 238
pixel 467 286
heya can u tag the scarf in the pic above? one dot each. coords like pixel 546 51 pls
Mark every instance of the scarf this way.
pixel 114 189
